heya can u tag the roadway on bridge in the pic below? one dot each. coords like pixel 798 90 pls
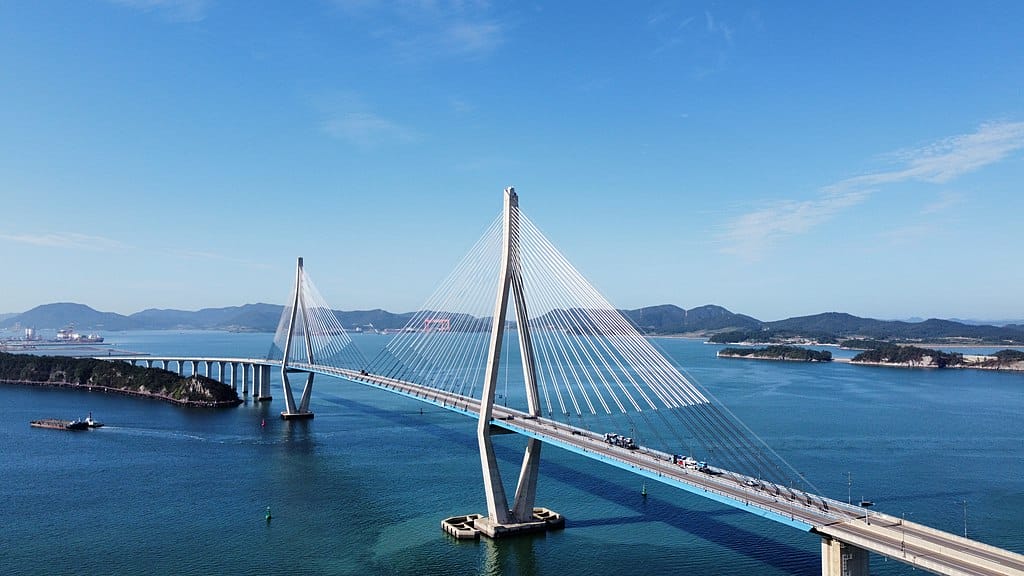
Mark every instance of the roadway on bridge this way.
pixel 908 542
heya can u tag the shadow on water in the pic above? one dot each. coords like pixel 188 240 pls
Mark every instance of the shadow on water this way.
pixel 710 525
pixel 512 556
pixel 298 435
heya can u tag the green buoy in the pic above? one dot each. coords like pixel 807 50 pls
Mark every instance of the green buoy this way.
pixel 268 515
pixel 643 490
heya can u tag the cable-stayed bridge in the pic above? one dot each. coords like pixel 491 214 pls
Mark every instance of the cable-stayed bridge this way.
pixel 517 338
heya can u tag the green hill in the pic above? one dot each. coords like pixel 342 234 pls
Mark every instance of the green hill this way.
pixel 117 376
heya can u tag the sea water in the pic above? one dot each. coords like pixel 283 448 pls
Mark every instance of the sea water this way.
pixel 362 488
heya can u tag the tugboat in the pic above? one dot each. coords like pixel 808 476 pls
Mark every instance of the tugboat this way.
pixel 92 423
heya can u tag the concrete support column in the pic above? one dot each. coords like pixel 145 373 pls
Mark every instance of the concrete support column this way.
pixel 181 367
pixel 264 390
pixel 163 364
pixel 842 559
pixel 149 363
pixel 234 376
pixel 245 379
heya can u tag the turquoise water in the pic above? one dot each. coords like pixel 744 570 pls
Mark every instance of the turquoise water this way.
pixel 361 489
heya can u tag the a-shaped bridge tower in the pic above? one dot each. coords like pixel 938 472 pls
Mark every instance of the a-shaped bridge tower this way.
pixel 500 518
pixel 309 334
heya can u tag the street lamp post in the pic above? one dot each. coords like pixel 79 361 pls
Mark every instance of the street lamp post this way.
pixel 903 536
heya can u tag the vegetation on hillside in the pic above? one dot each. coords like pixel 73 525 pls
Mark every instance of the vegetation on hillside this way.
pixel 1011 359
pixel 863 344
pixel 775 336
pixel 86 372
pixel 912 355
pixel 778 353
pixel 1007 356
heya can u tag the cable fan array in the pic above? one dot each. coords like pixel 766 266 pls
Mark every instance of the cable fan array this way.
pixel 317 332
pixel 592 366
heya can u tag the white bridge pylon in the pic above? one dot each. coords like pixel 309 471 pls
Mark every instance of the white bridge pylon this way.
pixel 510 280
pixel 583 363
pixel 309 334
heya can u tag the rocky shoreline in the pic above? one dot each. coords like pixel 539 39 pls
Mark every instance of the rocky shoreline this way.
pixel 1011 367
pixel 126 392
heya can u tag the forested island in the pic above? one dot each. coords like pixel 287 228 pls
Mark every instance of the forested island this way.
pixel 116 377
pixel 793 353
pixel 915 357
pixel 887 354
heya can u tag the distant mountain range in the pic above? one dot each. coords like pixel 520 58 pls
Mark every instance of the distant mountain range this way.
pixel 655 320
pixel 247 318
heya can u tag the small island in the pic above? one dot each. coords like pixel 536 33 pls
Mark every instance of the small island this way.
pixel 116 378
pixel 915 357
pixel 791 353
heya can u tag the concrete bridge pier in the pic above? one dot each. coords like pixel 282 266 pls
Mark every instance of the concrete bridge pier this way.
pixel 842 559
pixel 263 393
pixel 245 379
pixel 163 364
pixel 234 376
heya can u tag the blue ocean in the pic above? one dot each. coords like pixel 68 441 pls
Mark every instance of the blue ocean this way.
pixel 362 488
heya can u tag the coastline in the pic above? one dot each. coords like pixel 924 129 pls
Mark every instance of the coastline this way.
pixel 775 358
pixel 1016 367
pixel 124 392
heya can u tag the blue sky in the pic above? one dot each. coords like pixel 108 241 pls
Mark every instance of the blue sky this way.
pixel 778 159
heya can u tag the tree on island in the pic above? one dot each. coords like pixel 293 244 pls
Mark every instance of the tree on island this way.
pixel 779 353
pixel 87 372
pixel 895 354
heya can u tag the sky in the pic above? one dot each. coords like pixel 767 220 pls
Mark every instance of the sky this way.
pixel 778 159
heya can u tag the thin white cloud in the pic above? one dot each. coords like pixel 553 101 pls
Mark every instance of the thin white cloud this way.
pixel 204 255
pixel 912 234
pixel 366 129
pixel 474 38
pixel 66 240
pixel 944 202
pixel 172 10
pixel 420 29
pixel 751 234
pixel 717 27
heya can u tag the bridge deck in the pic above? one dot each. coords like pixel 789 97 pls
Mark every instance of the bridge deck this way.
pixel 908 542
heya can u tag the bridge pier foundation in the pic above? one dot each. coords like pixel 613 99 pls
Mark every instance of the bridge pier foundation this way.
pixel 842 559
